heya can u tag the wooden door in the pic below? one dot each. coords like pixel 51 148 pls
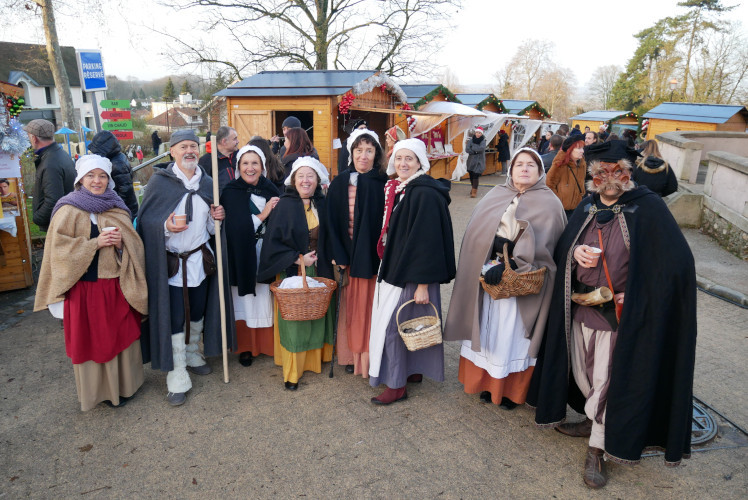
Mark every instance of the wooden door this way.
pixel 15 258
pixel 249 123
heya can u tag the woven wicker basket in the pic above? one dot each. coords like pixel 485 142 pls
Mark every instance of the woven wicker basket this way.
pixel 304 304
pixel 514 284
pixel 430 333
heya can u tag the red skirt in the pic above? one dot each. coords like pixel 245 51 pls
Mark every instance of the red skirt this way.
pixel 98 321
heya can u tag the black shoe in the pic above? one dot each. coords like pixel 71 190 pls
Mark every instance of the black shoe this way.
pixel 485 396
pixel 122 402
pixel 245 358
pixel 292 387
pixel 349 368
pixel 507 404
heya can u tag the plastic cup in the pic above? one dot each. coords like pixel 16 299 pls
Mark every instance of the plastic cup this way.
pixel 110 228
pixel 180 220
pixel 594 253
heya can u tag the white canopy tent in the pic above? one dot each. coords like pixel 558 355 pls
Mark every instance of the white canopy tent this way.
pixel 459 118
pixel 491 126
pixel 522 132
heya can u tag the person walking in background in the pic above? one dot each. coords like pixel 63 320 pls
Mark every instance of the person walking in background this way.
pixel 503 147
pixel 501 337
pixel 417 249
pixel 93 278
pixel 227 144
pixel 567 173
pixel 654 172
pixel 554 145
pixel 355 202
pixel 155 142
pixel 296 236
pixel 55 171
pixel 475 147
pixel 249 200
pixel 105 144
pixel 544 142
pixel 139 155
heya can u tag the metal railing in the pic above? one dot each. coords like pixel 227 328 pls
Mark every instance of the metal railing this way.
pixel 149 162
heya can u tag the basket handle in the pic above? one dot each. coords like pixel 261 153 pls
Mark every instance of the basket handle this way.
pixel 397 316
pixel 302 272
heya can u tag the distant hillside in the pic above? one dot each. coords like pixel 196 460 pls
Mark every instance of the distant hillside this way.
pixel 123 89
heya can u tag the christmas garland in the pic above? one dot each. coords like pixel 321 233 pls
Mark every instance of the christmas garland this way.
pixel 382 81
pixel 441 88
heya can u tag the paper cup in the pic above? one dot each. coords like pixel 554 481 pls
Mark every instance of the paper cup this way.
pixel 595 253
pixel 110 228
pixel 180 220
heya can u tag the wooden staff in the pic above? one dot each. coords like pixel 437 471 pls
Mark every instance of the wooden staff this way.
pixel 219 259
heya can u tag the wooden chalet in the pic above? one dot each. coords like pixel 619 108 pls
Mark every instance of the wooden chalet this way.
pixel 531 109
pixel 616 121
pixel 674 116
pixel 324 101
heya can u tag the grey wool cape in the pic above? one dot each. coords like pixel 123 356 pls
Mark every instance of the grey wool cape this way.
pixel 163 194
pixel 542 218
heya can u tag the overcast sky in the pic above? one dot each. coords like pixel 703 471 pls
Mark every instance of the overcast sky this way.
pixel 486 35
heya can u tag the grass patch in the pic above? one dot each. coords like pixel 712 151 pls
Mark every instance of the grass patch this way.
pixel 34 230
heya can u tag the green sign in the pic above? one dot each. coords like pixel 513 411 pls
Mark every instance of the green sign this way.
pixel 114 103
pixel 119 125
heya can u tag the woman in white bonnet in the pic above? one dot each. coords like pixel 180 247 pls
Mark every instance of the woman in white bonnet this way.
pixel 93 277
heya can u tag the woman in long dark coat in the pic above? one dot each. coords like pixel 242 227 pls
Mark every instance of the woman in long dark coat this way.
pixel 418 257
pixel 355 202
pixel 297 227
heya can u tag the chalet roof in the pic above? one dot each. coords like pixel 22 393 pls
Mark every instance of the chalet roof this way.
pixel 696 112
pixel 479 101
pixel 31 59
pixel 602 115
pixel 421 93
pixel 296 83
pixel 175 119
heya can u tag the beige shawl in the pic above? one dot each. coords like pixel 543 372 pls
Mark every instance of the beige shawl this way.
pixel 69 250
pixel 541 215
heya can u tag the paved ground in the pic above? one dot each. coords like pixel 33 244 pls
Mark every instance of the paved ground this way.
pixel 251 438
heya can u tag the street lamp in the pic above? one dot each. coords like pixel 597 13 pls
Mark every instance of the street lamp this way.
pixel 673 84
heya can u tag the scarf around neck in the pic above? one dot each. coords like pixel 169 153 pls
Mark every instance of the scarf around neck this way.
pixel 85 200
pixel 391 190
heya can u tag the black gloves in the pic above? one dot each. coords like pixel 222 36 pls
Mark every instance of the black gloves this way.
pixel 493 275
pixel 498 246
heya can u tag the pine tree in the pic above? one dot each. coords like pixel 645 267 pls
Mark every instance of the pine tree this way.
pixel 141 94
pixel 186 89
pixel 169 92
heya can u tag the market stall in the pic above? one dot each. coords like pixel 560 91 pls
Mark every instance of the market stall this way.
pixel 615 121
pixel 487 103
pixel 15 243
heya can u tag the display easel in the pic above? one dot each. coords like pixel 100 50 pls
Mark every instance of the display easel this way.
pixel 15 240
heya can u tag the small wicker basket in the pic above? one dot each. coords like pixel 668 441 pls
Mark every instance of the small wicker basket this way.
pixel 304 304
pixel 429 334
pixel 514 284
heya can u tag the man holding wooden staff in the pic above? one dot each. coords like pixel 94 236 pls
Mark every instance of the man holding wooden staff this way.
pixel 176 223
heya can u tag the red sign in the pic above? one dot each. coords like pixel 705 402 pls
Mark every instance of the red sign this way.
pixel 116 115
pixel 121 134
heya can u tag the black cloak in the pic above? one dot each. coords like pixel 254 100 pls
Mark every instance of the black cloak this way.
pixel 360 253
pixel 651 379
pixel 287 236
pixel 420 244
pixel 240 231
pixel 164 192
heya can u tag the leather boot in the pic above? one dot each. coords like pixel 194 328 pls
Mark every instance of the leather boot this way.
pixel 473 193
pixel 390 396
pixel 595 476
pixel 577 429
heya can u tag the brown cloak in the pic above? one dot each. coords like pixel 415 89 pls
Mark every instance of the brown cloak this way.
pixel 69 250
pixel 541 215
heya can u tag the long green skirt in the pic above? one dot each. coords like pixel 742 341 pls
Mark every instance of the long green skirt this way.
pixel 299 336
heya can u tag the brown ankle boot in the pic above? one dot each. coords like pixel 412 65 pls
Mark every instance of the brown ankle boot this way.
pixel 595 476
pixel 390 396
pixel 473 192
pixel 577 429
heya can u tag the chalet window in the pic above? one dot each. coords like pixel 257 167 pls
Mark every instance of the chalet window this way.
pixel 48 94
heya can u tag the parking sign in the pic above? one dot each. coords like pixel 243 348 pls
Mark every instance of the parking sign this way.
pixel 91 70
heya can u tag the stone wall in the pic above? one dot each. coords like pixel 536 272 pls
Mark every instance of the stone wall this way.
pixel 685 150
pixel 724 212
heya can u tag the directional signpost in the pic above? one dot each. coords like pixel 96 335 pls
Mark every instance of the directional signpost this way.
pixel 115 103
pixel 116 115
pixel 119 125
pixel 122 134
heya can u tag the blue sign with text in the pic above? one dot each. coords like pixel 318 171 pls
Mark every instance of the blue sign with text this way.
pixel 91 68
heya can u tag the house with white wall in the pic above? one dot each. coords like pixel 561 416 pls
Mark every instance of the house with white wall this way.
pixel 27 65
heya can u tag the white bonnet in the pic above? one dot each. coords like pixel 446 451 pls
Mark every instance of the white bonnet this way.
pixel 417 146
pixel 254 149
pixel 355 135
pixel 86 163
pixel 314 164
